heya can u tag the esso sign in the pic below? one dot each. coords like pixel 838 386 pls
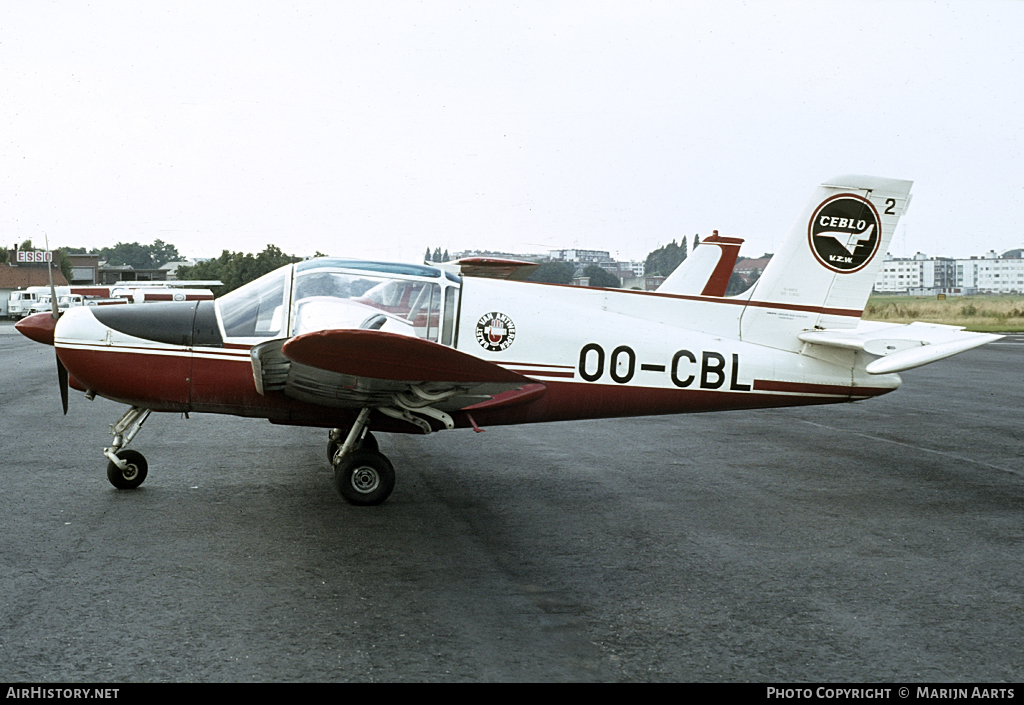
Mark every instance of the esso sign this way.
pixel 31 256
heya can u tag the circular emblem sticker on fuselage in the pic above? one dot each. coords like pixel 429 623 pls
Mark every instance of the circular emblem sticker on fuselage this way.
pixel 495 331
pixel 844 233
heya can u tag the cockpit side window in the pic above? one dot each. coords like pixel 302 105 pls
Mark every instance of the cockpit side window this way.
pixel 328 297
pixel 451 309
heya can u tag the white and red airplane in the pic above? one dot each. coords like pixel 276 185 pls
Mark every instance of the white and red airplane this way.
pixel 358 346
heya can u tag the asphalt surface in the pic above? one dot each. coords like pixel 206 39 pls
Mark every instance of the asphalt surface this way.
pixel 877 541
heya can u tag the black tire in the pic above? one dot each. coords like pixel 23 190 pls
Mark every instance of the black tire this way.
pixel 133 475
pixel 365 478
pixel 368 443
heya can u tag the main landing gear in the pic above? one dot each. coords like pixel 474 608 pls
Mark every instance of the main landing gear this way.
pixel 362 474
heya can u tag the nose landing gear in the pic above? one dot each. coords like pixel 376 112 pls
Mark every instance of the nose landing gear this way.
pixel 127 469
pixel 132 474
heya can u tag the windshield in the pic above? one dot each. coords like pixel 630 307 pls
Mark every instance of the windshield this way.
pixel 256 309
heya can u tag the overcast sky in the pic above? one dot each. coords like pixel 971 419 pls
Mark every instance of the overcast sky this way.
pixel 377 129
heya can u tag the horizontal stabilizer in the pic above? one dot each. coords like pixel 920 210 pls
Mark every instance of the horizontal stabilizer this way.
pixel 388 356
pixel 900 347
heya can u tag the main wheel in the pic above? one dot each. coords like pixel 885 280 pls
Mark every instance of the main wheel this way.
pixel 134 473
pixel 368 443
pixel 365 477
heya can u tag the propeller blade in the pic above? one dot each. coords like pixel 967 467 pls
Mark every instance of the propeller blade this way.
pixel 62 372
pixel 53 289
pixel 62 381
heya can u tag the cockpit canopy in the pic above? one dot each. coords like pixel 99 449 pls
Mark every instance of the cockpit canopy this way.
pixel 331 293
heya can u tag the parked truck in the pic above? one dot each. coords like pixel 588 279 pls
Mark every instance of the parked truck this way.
pixel 37 298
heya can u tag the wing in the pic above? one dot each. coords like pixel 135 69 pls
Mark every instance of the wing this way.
pixel 404 377
pixel 492 268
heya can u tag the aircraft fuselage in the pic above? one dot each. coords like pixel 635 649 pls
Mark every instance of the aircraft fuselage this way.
pixel 598 353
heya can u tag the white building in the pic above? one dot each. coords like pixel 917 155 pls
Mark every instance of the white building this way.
pixel 990 274
pixel 580 256
pixel 899 274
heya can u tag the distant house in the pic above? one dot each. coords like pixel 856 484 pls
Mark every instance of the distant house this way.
pixel 16 277
pixel 172 268
pixel 652 282
pixel 85 269
pixel 750 269
pixel 126 273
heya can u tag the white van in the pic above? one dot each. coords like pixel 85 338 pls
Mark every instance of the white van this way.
pixel 23 303
pixel 20 303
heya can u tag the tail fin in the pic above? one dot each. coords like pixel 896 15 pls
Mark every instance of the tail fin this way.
pixel 823 274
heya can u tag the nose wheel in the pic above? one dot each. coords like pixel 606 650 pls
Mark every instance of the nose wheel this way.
pixel 132 474
pixel 127 469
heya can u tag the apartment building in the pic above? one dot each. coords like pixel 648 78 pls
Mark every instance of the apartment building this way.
pixel 924 275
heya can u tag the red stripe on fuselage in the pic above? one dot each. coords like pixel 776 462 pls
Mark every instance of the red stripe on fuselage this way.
pixel 165 381
pixel 568 401
pixel 770 385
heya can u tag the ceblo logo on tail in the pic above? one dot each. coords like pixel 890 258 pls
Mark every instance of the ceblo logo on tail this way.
pixel 843 233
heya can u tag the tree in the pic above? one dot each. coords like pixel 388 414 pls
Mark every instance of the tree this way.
pixel 737 284
pixel 601 277
pixel 435 255
pixel 139 256
pixel 665 259
pixel 235 268
pixel 553 273
pixel 64 264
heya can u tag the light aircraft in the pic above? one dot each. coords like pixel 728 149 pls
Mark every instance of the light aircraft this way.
pixel 360 347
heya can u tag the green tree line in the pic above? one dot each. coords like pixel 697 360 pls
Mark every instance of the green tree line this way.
pixel 133 254
pixel 664 260
pixel 557 272
pixel 237 268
